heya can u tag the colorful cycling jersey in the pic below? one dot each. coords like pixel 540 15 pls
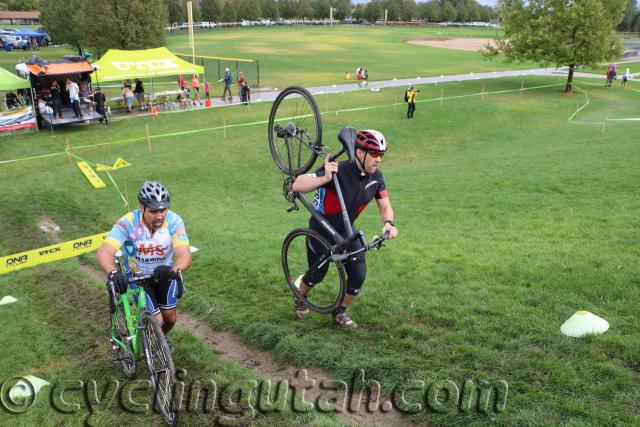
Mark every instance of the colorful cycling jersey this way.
pixel 142 251
pixel 358 189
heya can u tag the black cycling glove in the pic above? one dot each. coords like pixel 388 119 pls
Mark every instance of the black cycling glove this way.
pixel 119 280
pixel 180 284
pixel 162 273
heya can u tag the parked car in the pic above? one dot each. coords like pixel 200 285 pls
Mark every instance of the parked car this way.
pixel 15 41
pixel 207 24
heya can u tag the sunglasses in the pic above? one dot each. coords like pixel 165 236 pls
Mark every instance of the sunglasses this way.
pixel 376 154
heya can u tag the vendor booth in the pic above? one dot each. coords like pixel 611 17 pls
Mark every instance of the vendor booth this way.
pixel 130 64
pixel 121 65
pixel 42 74
pixel 17 113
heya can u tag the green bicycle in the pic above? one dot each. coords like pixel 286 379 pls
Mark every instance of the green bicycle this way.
pixel 135 334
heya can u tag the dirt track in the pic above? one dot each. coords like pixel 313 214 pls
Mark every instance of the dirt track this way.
pixel 459 44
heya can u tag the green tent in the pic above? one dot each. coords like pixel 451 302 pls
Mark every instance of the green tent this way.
pixel 127 64
pixel 9 81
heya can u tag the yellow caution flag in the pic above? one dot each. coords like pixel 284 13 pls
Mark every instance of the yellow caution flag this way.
pixel 120 163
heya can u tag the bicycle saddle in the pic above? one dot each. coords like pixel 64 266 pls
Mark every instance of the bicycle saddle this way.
pixel 347 137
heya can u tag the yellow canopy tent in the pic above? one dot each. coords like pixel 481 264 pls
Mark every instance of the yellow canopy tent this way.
pixel 9 81
pixel 127 64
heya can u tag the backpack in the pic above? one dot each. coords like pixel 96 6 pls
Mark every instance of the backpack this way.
pixel 406 96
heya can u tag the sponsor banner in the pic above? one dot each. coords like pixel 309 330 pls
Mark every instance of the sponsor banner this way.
pixel 50 253
pixel 19 118
pixel 89 173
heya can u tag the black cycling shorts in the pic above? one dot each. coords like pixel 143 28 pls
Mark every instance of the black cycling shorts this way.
pixel 356 269
pixel 161 296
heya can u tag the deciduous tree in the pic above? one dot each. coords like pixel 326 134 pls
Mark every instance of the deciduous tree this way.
pixel 560 32
pixel 211 10
pixel 119 24
pixel 409 10
pixel 448 13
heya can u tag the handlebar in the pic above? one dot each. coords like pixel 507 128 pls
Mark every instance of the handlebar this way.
pixel 376 243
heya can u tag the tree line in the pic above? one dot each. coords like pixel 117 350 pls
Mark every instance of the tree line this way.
pixel 397 10
pixel 631 18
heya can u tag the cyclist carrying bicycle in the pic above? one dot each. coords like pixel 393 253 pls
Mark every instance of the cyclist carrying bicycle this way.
pixel 360 182
pixel 149 237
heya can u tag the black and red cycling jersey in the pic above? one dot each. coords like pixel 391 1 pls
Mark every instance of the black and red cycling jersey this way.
pixel 358 189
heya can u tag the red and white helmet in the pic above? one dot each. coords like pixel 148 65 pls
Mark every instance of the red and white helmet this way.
pixel 371 140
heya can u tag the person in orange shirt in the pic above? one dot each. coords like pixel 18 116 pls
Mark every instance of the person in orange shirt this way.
pixel 195 85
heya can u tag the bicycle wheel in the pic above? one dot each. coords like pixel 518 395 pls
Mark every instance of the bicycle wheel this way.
pixel 306 258
pixel 120 331
pixel 162 372
pixel 295 130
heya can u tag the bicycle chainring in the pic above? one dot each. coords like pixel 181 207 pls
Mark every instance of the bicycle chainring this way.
pixel 288 194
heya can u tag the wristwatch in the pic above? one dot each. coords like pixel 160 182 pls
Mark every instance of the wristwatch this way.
pixel 391 223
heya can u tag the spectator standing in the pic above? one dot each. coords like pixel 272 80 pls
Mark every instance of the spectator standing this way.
pixel 227 84
pixel 100 101
pixel 206 90
pixel 241 84
pixel 74 98
pixel 56 98
pixel 625 79
pixel 195 85
pixel 128 96
pixel 139 92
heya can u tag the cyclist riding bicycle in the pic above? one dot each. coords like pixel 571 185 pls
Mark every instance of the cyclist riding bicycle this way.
pixel 360 182
pixel 148 238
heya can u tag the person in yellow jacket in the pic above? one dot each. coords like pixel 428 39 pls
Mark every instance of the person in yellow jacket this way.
pixel 410 99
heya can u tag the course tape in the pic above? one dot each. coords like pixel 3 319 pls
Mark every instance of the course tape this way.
pixel 51 253
pixel 215 57
pixel 108 174
pixel 262 122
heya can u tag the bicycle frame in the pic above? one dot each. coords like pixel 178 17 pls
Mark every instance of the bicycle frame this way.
pixel 133 321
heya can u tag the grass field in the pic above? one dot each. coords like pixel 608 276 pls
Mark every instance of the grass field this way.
pixel 321 55
pixel 511 218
